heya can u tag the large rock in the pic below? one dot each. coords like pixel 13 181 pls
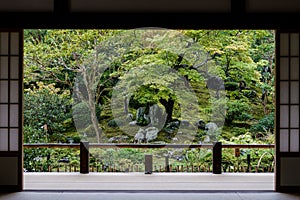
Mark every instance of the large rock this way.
pixel 140 136
pixel 157 116
pixel 129 117
pixel 151 133
pixel 212 131
pixel 185 123
pixel 146 135
pixel 133 123
pixel 215 83
pixel 211 127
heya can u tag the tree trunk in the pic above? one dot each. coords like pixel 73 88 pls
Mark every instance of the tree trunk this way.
pixel 126 105
pixel 169 105
pixel 95 121
pixel 265 102
pixel 91 105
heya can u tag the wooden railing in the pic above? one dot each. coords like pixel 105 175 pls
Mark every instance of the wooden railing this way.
pixel 216 150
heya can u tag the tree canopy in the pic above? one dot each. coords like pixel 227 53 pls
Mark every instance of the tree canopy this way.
pixel 220 76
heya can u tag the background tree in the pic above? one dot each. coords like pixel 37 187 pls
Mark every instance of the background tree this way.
pixel 244 59
pixel 54 59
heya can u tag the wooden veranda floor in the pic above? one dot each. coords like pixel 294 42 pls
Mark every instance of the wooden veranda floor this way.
pixel 145 182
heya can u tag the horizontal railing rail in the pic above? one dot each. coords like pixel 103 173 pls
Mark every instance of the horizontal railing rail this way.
pixel 149 146
pixel 85 146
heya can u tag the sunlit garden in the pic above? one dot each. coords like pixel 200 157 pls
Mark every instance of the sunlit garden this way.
pixel 149 87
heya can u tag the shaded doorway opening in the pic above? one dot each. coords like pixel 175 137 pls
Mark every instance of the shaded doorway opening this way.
pixel 225 76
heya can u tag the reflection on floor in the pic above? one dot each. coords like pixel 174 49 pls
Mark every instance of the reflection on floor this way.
pixel 145 182
pixel 60 195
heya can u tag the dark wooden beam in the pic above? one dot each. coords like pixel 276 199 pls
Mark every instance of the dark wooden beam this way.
pixel 62 6
pixel 238 6
pixel 131 145
pixel 137 20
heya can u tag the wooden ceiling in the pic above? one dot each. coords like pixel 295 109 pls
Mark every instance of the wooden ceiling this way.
pixel 176 14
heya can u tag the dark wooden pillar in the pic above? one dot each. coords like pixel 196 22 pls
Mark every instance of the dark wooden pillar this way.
pixel 148 164
pixel 217 158
pixel 84 158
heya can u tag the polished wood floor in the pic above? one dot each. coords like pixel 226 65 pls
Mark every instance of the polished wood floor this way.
pixel 152 182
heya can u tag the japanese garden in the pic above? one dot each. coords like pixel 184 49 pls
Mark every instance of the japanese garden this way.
pixel 149 86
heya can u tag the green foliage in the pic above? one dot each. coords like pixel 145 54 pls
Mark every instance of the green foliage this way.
pixel 53 58
pixel 45 109
pixel 40 159
pixel 250 94
pixel 56 55
pixel 260 158
pixel 197 156
pixel 36 159
pixel 82 114
pixel 112 123
pixel 118 157
pixel 34 135
pixel 266 124
pixel 239 131
pixel 53 55
pixel 90 131
pixel 76 139
pixel 231 86
pixel 237 110
pixel 135 155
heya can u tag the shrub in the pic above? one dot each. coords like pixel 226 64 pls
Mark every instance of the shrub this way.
pixel 82 116
pixel 251 94
pixel 231 86
pixel 237 110
pixel 265 124
pixel 45 110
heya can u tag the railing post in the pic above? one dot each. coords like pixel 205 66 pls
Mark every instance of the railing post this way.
pixel 249 163
pixel 148 164
pixel 167 164
pixel 217 157
pixel 84 158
